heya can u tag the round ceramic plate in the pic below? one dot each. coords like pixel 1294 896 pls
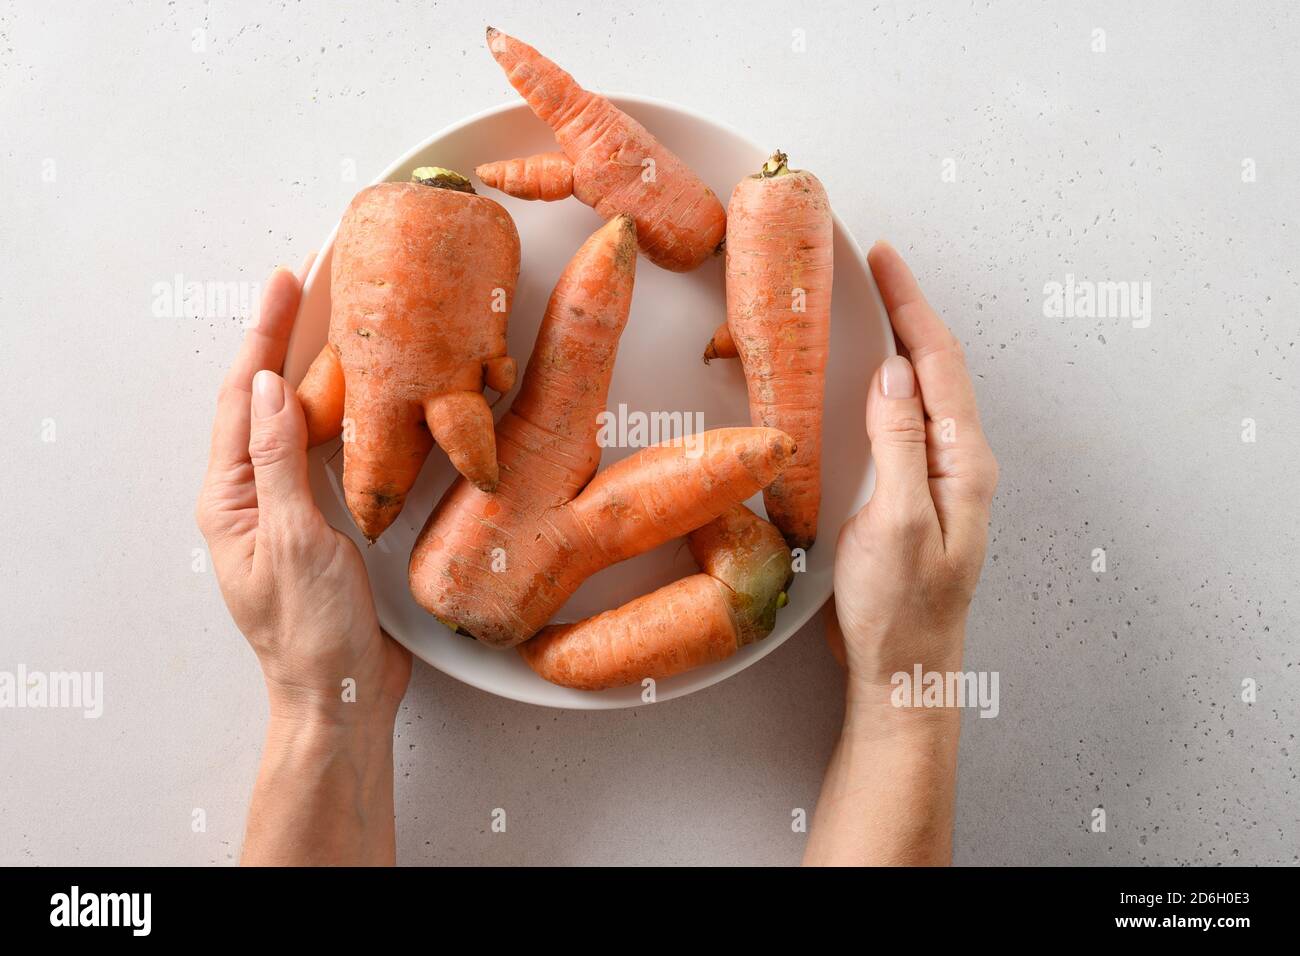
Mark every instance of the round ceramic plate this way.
pixel 658 370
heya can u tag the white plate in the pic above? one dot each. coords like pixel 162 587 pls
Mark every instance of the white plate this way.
pixel 658 368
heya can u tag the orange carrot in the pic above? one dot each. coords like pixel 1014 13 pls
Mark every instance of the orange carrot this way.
pixel 697 620
pixel 617 165
pixel 779 272
pixel 498 566
pixel 421 286
pixel 721 345
pixel 546 176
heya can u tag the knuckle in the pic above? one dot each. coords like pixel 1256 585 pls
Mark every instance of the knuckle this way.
pixel 266 447
pixel 904 429
pixel 226 393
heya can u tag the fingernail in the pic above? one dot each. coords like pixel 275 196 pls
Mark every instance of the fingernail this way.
pixel 268 394
pixel 896 378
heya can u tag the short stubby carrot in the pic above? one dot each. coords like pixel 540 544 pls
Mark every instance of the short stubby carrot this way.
pixel 421 286
pixel 700 619
pixel 546 176
pixel 611 162
pixel 780 239
pixel 498 566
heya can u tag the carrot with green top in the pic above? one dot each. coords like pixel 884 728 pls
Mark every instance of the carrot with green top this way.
pixel 610 162
pixel 701 619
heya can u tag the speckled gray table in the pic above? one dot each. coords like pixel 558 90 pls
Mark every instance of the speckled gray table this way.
pixel 1002 146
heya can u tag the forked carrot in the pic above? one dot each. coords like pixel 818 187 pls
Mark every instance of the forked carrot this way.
pixel 498 566
pixel 421 286
pixel 615 164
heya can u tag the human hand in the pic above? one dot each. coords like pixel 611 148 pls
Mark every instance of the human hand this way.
pixel 295 587
pixel 907 564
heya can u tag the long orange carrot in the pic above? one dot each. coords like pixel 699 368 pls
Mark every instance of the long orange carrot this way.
pixel 780 237
pixel 498 566
pixel 697 620
pixel 422 282
pixel 617 165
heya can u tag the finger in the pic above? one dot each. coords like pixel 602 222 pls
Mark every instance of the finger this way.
pixel 264 347
pixel 946 389
pixel 268 338
pixel 896 427
pixel 305 269
pixel 277 447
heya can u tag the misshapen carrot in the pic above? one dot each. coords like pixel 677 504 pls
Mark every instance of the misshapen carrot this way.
pixel 421 286
pixel 700 619
pixel 498 566
pixel 780 237
pixel 617 164
pixel 546 176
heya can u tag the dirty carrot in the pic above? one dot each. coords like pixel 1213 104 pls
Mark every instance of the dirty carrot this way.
pixel 498 566
pixel 421 285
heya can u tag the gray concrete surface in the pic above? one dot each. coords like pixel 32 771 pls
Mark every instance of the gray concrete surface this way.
pixel 129 156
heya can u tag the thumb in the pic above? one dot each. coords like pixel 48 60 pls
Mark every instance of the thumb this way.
pixel 896 427
pixel 277 446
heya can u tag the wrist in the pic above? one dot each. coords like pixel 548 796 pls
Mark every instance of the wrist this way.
pixel 317 714
pixel 904 700
pixel 874 657
pixel 310 737
pixel 324 793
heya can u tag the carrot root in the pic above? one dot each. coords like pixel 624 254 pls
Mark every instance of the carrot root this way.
pixel 421 285
pixel 321 394
pixel 697 620
pixel 779 270
pixel 461 424
pixel 545 176
pixel 498 566
pixel 721 346
pixel 499 373
pixel 616 165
